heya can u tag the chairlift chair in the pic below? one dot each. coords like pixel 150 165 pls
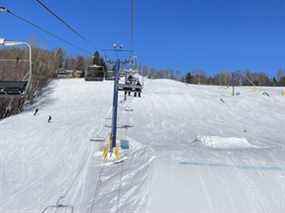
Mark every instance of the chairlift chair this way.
pixel 94 73
pixel 131 85
pixel 16 88
pixel 13 87
pixel 98 139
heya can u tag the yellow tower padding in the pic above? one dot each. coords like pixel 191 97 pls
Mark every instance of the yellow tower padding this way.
pixel 283 92
pixel 105 153
pixel 106 149
pixel 117 153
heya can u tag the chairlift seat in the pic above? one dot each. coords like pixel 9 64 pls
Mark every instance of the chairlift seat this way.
pixel 13 87
pixel 94 78
pixel 98 139
pixel 94 73
pixel 129 87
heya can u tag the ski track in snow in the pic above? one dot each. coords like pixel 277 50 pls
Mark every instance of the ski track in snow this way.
pixel 212 156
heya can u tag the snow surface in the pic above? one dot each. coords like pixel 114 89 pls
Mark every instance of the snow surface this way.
pixel 215 153
pixel 44 164
pixel 217 142
pixel 190 176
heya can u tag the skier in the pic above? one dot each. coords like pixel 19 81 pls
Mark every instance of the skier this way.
pixel 49 119
pixel 36 111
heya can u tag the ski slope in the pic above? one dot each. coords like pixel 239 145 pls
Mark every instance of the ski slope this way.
pixel 46 164
pixel 214 153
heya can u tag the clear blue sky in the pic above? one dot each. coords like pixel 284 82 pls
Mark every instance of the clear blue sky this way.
pixel 183 35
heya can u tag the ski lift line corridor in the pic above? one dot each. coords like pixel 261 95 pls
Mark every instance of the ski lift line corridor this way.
pixel 16 87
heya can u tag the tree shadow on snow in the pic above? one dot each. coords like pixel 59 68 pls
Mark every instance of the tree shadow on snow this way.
pixel 43 98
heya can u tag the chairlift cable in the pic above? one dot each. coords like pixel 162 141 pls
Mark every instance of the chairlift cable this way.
pixel 47 32
pixel 44 5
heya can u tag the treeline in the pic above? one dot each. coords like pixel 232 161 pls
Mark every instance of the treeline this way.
pixel 152 73
pixel 225 78
pixel 45 63
pixel 239 78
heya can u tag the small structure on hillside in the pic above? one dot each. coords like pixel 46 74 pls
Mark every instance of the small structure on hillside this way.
pixel 94 73
pixel 64 73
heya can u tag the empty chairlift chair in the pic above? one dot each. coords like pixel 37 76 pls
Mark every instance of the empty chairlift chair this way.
pixel 95 73
pixel 14 88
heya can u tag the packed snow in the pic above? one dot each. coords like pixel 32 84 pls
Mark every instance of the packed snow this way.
pixel 217 142
pixel 214 152
pixel 56 167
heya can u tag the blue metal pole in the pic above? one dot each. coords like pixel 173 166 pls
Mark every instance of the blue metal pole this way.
pixel 115 105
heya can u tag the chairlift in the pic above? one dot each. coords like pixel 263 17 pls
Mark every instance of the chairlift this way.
pixel 97 139
pixel 16 88
pixel 94 73
pixel 12 87
pixel 131 85
pixel 125 126
pixel 128 109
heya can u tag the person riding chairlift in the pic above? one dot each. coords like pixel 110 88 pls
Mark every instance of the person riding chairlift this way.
pixel 138 90
pixel 129 81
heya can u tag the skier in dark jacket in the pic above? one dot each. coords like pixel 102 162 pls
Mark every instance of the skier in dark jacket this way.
pixel 130 78
pixel 49 119
pixel 36 111
pixel 138 89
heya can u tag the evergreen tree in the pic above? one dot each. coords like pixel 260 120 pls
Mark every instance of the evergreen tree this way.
pixel 274 82
pixel 97 59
